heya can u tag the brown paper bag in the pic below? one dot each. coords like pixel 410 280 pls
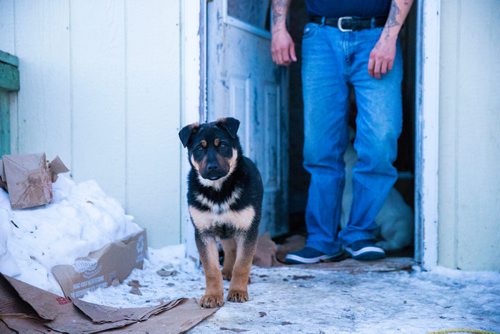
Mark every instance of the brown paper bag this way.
pixel 28 179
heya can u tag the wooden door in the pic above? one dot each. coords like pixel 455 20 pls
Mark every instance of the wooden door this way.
pixel 244 83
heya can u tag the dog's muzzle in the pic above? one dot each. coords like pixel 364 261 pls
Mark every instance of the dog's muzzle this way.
pixel 213 172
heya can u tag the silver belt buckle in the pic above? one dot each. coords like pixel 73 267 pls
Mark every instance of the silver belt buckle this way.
pixel 339 23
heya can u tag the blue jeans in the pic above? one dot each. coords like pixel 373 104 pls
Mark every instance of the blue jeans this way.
pixel 331 62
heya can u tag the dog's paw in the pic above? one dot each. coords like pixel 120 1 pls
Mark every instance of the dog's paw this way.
pixel 211 301
pixel 237 296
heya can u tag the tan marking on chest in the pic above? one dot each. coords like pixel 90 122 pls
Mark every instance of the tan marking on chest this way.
pixel 219 208
pixel 241 219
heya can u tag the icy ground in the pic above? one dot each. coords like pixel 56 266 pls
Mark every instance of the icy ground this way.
pixel 82 218
pixel 293 300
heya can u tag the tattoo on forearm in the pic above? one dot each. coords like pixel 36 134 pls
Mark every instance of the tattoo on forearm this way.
pixel 279 9
pixel 392 20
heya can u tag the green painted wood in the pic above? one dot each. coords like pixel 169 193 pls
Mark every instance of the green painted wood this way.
pixel 4 123
pixel 9 77
pixel 9 82
pixel 9 59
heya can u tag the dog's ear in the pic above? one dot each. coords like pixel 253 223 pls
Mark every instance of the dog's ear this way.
pixel 229 124
pixel 186 133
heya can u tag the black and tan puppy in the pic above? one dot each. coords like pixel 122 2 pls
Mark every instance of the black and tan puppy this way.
pixel 225 198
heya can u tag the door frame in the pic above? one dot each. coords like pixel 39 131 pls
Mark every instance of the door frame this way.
pixel 193 99
pixel 194 108
pixel 427 133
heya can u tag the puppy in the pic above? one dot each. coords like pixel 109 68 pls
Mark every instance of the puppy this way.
pixel 225 198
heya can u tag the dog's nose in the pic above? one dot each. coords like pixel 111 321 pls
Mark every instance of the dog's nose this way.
pixel 212 167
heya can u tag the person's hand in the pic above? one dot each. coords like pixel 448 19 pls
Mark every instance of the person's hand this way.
pixel 382 57
pixel 282 48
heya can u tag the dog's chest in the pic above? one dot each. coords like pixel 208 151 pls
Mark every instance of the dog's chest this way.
pixel 210 214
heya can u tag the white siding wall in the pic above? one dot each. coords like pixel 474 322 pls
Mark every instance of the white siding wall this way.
pixel 100 86
pixel 469 213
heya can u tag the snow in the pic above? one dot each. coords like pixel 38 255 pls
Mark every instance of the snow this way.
pixel 282 299
pixel 80 219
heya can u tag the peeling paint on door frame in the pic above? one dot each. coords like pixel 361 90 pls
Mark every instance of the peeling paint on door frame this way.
pixel 427 133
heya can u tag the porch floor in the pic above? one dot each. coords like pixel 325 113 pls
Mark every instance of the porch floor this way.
pixel 389 296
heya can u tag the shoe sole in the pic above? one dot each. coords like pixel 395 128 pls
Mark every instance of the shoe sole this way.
pixel 367 253
pixel 295 259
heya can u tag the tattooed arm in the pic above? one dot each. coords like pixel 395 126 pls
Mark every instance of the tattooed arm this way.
pixel 384 52
pixel 282 46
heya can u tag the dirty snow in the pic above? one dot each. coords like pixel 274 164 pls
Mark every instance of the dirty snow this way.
pixel 283 300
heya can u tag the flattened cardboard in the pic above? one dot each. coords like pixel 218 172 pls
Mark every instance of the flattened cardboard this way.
pixel 67 318
pixel 17 316
pixel 100 268
pixel 177 320
pixel 5 329
pixel 47 308
pixel 21 307
pixel 102 313
pixel 21 324
pixel 28 179
pixel 10 302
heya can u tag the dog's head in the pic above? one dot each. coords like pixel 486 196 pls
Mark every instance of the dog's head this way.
pixel 213 148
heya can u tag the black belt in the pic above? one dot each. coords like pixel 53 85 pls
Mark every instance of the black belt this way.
pixel 350 23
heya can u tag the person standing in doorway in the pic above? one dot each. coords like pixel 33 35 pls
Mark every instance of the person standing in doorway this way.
pixel 346 43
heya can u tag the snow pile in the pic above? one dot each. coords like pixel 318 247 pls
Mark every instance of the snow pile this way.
pixel 80 219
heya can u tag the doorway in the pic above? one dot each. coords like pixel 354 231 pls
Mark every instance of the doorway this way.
pixel 298 184
pixel 242 82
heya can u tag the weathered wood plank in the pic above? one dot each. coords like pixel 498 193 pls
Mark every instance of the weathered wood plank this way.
pixel 4 123
pixel 9 59
pixel 353 266
pixel 9 77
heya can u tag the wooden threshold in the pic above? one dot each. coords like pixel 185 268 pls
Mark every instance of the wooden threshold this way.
pixel 388 264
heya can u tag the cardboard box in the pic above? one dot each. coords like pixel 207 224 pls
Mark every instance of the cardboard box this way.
pixel 28 179
pixel 101 268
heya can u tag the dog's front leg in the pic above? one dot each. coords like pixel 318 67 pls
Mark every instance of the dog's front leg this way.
pixel 238 289
pixel 214 293
pixel 229 246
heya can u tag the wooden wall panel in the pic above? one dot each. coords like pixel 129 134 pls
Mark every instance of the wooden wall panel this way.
pixel 42 45
pixel 478 141
pixel 153 118
pixel 7 25
pixel 99 93
pixel 469 138
pixel 101 87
